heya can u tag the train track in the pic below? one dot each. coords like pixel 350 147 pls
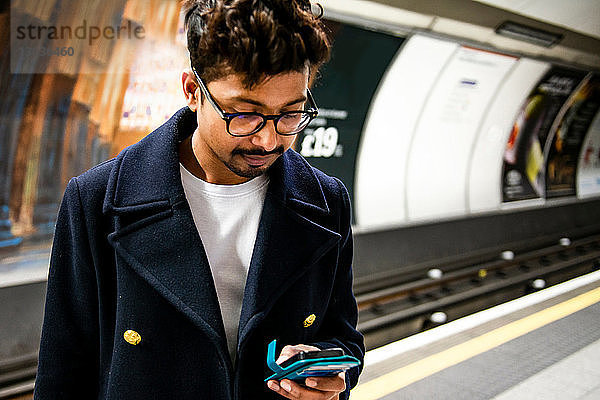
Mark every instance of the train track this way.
pixel 17 377
pixel 444 293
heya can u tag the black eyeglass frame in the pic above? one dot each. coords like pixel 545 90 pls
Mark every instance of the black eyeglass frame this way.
pixel 312 112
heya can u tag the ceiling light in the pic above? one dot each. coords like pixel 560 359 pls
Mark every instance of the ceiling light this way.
pixel 528 34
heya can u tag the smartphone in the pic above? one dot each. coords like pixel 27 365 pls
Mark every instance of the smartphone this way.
pixel 311 355
pixel 326 362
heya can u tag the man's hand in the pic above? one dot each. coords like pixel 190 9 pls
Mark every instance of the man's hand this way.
pixel 317 388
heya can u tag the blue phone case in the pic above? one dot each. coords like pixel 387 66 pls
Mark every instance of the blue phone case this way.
pixel 302 369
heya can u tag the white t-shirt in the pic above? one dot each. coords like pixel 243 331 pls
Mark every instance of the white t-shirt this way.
pixel 227 218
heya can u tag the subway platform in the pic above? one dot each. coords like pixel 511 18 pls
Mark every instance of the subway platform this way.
pixel 542 346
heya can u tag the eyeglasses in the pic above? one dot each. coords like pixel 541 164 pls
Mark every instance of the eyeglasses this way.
pixel 241 124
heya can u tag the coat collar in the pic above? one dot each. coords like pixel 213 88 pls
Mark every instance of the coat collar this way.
pixel 156 235
pixel 147 174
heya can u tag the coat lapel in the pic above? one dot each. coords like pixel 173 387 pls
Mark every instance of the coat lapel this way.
pixel 288 242
pixel 155 232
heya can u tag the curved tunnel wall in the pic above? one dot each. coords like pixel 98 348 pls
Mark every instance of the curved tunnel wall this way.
pixel 455 107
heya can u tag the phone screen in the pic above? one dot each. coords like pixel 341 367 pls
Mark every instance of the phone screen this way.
pixel 307 355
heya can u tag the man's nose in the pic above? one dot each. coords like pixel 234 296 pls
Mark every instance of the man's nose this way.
pixel 267 137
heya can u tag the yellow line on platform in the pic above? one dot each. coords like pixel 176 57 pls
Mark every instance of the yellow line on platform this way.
pixel 396 380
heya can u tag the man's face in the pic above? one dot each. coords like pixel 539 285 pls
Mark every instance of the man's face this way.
pixel 228 160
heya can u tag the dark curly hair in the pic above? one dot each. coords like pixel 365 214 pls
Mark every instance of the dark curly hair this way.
pixel 254 38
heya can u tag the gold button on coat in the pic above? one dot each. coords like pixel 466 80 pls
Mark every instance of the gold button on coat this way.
pixel 132 337
pixel 309 320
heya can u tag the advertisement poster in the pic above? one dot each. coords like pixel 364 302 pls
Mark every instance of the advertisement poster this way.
pixel 524 168
pixel 485 175
pixel 588 170
pixel 567 137
pixel 343 92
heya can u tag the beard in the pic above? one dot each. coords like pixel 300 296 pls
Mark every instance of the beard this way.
pixel 249 171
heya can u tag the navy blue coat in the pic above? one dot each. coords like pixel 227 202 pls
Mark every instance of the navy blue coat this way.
pixel 127 255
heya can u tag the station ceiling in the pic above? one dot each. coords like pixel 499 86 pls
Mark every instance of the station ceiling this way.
pixel 581 16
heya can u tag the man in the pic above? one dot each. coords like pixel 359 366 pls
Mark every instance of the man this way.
pixel 176 263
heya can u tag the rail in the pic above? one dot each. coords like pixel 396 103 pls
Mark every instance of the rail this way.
pixel 472 286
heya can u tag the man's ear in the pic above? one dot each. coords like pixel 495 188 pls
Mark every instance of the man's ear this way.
pixel 191 91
